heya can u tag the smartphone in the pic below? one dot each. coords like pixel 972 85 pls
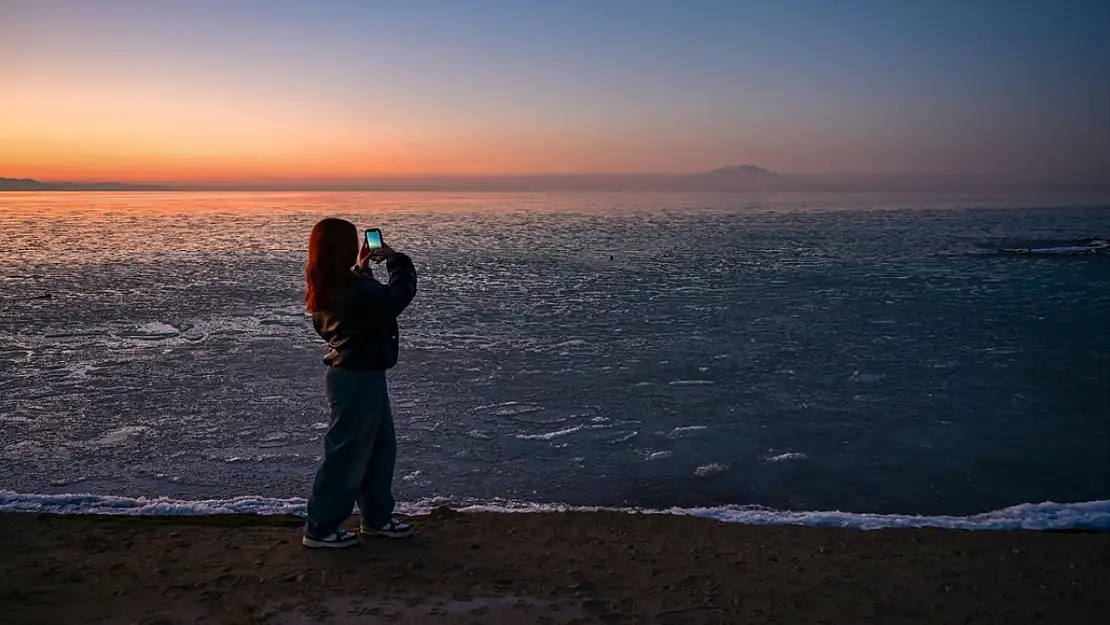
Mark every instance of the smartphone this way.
pixel 373 239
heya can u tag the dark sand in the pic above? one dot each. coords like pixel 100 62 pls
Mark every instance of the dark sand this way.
pixel 542 568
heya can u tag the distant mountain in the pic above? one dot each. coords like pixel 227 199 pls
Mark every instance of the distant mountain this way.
pixel 20 184
pixel 27 184
pixel 742 172
pixel 739 178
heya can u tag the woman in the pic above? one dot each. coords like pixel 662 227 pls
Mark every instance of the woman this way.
pixel 357 316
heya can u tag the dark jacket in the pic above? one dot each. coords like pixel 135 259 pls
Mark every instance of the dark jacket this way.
pixel 361 325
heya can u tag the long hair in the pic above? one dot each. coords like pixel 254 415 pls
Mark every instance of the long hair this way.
pixel 332 251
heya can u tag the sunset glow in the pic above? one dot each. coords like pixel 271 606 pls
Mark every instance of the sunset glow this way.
pixel 344 90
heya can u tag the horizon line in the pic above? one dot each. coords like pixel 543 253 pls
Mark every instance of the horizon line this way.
pixel 1001 178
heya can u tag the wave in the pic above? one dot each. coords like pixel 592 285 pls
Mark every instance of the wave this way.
pixel 1090 245
pixel 1087 515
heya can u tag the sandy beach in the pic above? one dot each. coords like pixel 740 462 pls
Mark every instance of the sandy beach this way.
pixel 553 568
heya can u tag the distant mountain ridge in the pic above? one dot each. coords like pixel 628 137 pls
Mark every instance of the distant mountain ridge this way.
pixel 28 184
pixel 739 178
pixel 743 171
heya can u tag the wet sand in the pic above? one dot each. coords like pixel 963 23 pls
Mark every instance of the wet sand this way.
pixel 541 568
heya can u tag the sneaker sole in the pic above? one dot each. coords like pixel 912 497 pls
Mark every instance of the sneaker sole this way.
pixel 312 543
pixel 394 535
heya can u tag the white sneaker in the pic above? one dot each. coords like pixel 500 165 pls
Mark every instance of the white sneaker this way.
pixel 340 539
pixel 393 529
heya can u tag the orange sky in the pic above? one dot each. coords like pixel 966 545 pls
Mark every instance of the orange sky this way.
pixel 217 91
pixel 98 132
pixel 142 129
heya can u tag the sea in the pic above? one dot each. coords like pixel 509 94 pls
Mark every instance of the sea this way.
pixel 865 360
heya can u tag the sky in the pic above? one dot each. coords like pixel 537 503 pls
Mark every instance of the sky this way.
pixel 319 90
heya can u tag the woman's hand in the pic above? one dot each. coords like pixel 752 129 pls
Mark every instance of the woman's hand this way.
pixel 382 254
pixel 365 256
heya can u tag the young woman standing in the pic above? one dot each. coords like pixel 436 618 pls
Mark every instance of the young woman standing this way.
pixel 357 316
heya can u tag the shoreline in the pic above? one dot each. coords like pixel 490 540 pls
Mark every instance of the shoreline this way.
pixel 545 567
pixel 1091 515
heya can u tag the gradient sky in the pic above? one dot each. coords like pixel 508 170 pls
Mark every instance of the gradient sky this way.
pixel 236 90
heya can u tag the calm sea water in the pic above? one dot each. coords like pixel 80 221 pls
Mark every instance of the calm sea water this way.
pixel 867 353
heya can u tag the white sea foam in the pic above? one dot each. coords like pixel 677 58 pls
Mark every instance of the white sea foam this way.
pixel 510 408
pixel 570 343
pixel 686 430
pixel 15 419
pixel 546 436
pixel 624 437
pixel 118 436
pixel 22 449
pixel 1087 515
pixel 795 455
pixel 157 328
pixel 866 378
pixel 712 468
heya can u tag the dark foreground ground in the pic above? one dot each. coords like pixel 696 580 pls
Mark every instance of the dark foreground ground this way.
pixel 542 568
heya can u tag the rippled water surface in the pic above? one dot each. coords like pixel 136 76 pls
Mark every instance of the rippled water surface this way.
pixel 859 353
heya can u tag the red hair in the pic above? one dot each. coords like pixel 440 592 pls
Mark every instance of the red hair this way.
pixel 332 251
